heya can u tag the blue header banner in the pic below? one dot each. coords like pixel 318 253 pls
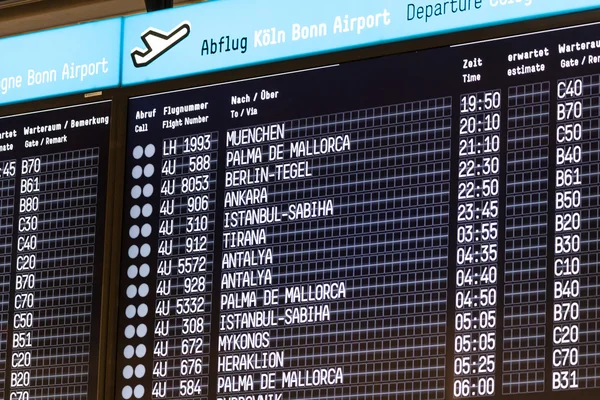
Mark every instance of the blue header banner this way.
pixel 62 61
pixel 226 34
pixel 233 33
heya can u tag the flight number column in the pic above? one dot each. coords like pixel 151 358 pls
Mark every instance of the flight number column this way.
pixel 576 288
pixel 477 245
pixel 185 266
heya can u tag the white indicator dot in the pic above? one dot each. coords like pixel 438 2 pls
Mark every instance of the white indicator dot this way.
pixel 128 372
pixel 130 311
pixel 148 190
pixel 140 371
pixel 138 152
pixel 147 210
pixel 136 172
pixel 140 350
pixel 146 230
pixel 134 251
pixel 141 331
pixel 136 192
pixel 132 271
pixel 145 250
pixel 148 170
pixel 134 232
pixel 128 351
pixel 135 212
pixel 144 270
pixel 139 391
pixel 127 392
pixel 150 150
pixel 131 291
pixel 129 331
pixel 144 290
pixel 142 310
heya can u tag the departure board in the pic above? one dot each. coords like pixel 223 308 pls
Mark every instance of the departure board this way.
pixel 53 177
pixel 419 226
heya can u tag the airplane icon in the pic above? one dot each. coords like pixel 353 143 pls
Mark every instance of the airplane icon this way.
pixel 158 43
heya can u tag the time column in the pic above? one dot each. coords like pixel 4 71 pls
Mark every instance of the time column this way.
pixel 477 245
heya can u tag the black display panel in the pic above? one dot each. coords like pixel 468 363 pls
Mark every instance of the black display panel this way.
pixel 419 226
pixel 53 178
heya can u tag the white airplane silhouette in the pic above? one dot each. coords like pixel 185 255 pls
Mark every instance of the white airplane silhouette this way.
pixel 158 42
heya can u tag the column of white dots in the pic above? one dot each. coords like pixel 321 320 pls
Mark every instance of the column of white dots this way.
pixel 137 255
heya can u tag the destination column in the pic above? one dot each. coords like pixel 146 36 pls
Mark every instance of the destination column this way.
pixel 335 249
pixel 248 297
